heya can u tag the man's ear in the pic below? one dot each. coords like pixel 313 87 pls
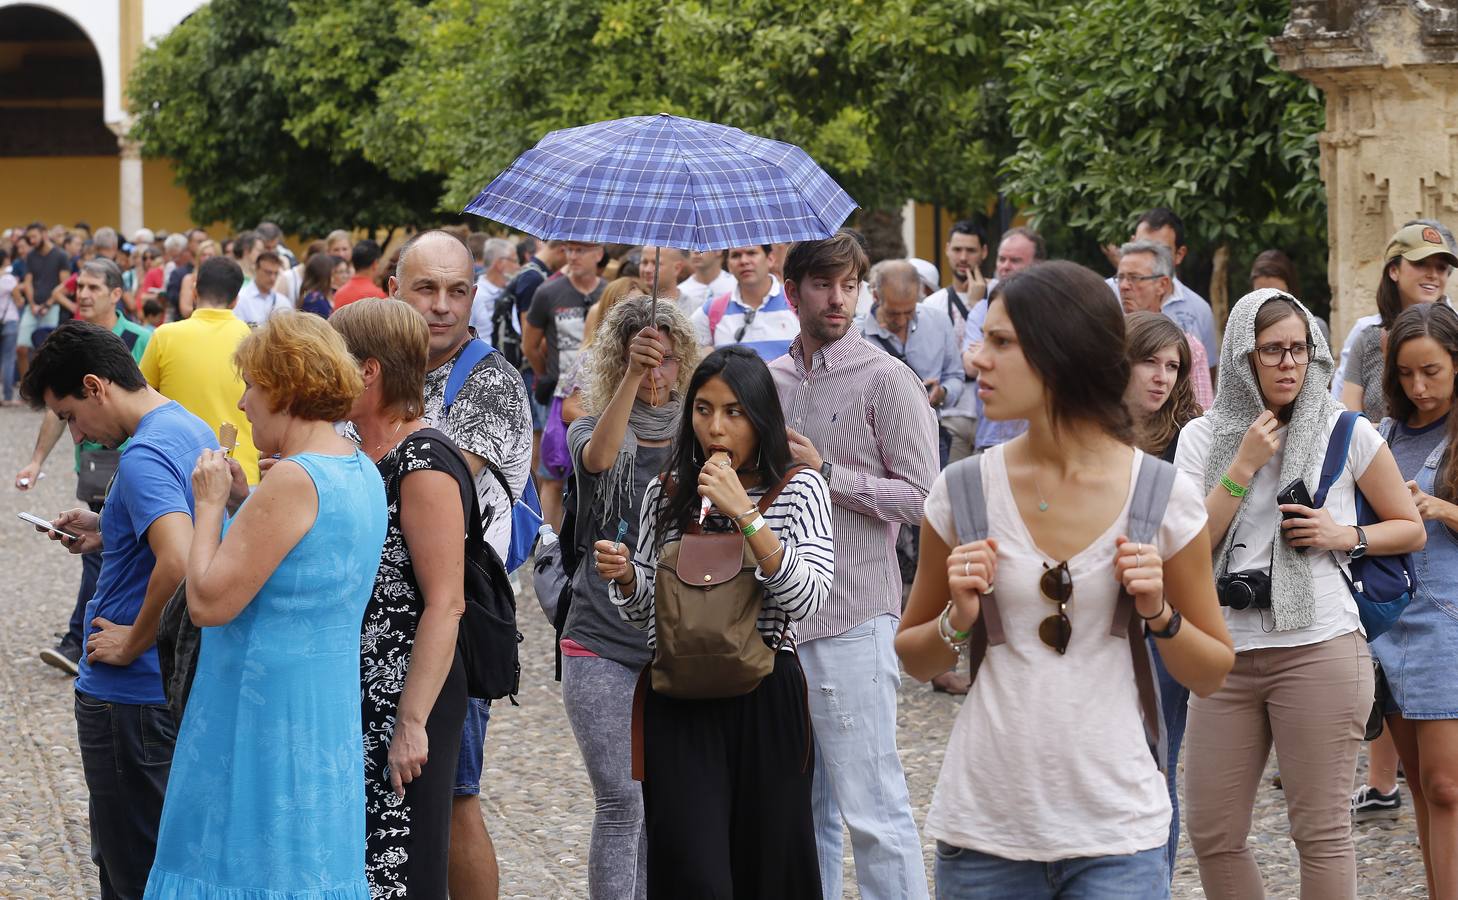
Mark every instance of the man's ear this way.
pixel 1179 255
pixel 392 287
pixel 792 294
pixel 94 386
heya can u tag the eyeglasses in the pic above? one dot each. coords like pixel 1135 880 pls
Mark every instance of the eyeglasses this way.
pixel 1057 585
pixel 1130 279
pixel 1271 355
pixel 748 319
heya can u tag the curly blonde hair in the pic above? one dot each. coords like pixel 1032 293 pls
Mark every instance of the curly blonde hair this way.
pixel 607 358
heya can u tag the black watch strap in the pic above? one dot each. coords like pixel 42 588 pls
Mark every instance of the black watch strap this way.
pixel 825 470
pixel 1360 550
pixel 1171 628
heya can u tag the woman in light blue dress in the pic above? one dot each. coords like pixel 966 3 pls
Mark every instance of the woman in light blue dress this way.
pixel 266 797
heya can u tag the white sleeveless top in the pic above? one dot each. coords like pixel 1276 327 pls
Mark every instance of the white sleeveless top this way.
pixel 1047 758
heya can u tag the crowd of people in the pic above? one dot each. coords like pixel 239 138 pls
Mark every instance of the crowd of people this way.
pixel 772 478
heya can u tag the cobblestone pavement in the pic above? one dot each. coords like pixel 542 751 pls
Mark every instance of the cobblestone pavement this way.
pixel 536 797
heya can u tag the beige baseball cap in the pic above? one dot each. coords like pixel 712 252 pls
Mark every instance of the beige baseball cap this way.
pixel 1417 242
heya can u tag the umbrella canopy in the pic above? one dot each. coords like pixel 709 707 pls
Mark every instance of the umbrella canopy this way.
pixel 666 181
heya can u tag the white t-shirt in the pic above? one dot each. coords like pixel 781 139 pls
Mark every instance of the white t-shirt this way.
pixel 1336 611
pixel 693 293
pixel 1047 758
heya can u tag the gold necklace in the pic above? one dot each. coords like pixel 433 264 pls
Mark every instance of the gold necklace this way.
pixel 390 439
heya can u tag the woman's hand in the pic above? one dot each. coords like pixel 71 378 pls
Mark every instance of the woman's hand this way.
pixel 1141 572
pixel 971 571
pixel 1258 446
pixel 645 352
pixel 1429 507
pixel 409 749
pixel 212 481
pixel 720 483
pixel 1316 528
pixel 612 562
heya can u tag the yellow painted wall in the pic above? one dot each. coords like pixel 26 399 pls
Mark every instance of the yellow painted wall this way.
pixel 68 189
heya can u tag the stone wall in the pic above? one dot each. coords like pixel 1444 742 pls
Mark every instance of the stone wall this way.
pixel 1389 153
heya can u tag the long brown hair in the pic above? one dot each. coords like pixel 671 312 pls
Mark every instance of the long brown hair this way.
pixel 1147 334
pixel 1439 322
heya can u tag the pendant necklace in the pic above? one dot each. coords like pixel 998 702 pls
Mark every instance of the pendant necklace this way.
pixel 1042 504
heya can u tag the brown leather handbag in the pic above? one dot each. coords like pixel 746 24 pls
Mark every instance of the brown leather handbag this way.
pixel 707 604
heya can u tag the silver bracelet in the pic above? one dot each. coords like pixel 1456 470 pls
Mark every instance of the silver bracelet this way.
pixel 948 634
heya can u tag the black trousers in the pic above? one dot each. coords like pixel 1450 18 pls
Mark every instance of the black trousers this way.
pixel 126 754
pixel 726 793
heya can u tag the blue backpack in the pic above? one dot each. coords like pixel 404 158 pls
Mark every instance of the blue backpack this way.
pixel 526 510
pixel 1381 585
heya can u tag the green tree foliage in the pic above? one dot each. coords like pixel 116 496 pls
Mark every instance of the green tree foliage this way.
pixel 895 98
pixel 246 146
pixel 1121 105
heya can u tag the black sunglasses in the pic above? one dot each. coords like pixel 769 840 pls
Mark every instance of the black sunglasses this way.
pixel 748 320
pixel 1057 585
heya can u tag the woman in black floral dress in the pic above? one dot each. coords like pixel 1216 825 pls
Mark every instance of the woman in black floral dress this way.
pixel 412 684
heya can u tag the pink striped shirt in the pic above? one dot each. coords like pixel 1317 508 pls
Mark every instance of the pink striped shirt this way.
pixel 866 413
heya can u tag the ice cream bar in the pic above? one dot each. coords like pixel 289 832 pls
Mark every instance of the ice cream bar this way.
pixel 704 509
pixel 228 437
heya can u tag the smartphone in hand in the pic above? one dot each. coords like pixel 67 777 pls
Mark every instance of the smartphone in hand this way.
pixel 38 522
pixel 1295 492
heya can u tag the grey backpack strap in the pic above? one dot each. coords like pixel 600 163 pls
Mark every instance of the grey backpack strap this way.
pixel 1146 512
pixel 969 509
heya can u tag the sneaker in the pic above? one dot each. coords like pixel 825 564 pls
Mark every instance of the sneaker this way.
pixel 64 657
pixel 1369 804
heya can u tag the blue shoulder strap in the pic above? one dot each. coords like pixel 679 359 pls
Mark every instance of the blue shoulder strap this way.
pixel 1336 455
pixel 475 351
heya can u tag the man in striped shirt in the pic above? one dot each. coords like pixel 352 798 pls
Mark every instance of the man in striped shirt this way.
pixel 861 417
pixel 754 314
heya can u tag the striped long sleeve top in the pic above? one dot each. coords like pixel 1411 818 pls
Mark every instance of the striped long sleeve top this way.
pixel 800 516
pixel 866 413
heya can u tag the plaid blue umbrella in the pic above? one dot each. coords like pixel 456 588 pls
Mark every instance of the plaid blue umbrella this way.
pixel 667 181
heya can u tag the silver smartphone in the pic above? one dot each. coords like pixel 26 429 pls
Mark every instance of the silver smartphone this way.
pixel 38 522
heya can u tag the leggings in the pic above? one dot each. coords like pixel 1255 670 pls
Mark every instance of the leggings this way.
pixel 1311 703
pixel 598 695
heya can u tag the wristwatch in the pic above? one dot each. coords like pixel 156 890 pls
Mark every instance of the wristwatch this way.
pixel 825 470
pixel 1171 628
pixel 1360 550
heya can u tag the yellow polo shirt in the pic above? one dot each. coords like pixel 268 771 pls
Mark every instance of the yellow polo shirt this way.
pixel 191 361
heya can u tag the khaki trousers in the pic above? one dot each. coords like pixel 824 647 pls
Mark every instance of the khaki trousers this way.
pixel 1311 703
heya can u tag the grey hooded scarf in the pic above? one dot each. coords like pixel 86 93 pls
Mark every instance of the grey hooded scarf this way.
pixel 1238 403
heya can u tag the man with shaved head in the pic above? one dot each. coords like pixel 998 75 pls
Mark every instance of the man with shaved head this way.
pixel 492 424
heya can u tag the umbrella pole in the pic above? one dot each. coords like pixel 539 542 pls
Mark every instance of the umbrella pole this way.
pixel 653 312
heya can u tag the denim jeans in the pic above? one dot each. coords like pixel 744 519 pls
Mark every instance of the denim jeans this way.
pixel 968 875
pixel 9 332
pixel 472 756
pixel 1174 701
pixel 852 680
pixel 126 754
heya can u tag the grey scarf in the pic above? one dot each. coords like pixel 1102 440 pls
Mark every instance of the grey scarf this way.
pixel 1237 404
pixel 615 486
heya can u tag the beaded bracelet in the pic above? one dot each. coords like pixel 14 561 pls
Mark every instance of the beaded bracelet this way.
pixel 1235 488
pixel 955 640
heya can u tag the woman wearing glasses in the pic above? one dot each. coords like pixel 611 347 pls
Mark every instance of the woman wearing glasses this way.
pixel 634 375
pixel 1049 788
pixel 1303 677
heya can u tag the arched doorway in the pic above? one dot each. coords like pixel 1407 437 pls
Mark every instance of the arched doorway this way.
pixel 50 87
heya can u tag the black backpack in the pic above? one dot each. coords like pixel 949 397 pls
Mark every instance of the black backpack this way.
pixel 504 336
pixel 487 639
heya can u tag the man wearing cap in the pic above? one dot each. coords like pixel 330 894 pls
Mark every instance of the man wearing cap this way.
pixel 1416 266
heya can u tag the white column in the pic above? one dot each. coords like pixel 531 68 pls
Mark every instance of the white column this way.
pixel 130 215
pixel 908 228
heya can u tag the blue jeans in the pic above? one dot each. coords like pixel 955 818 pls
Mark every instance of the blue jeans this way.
pixel 852 680
pixel 968 875
pixel 1174 701
pixel 472 755
pixel 126 754
pixel 9 332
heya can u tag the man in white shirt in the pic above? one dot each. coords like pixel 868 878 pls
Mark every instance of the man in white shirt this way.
pixel 709 280
pixel 966 250
pixel 755 313
pixel 258 300
pixel 498 261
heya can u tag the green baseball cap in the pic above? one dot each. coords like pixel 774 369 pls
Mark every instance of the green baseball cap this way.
pixel 1417 242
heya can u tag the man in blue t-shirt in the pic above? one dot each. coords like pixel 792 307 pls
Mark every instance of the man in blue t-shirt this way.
pixel 87 377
